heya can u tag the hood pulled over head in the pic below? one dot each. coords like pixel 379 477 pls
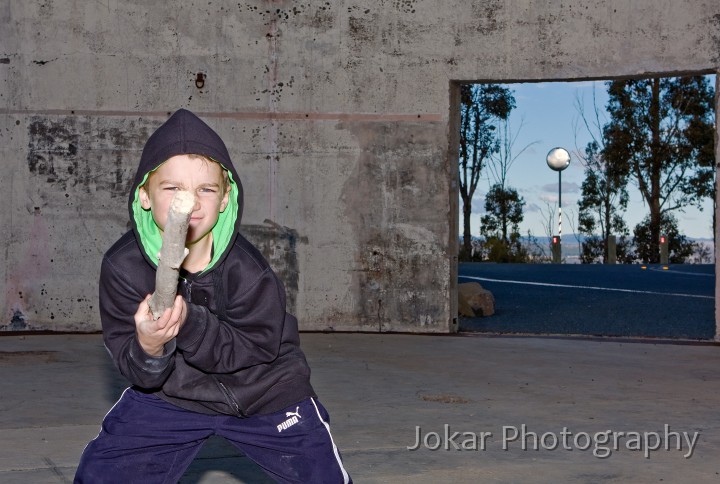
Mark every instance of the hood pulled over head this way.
pixel 185 134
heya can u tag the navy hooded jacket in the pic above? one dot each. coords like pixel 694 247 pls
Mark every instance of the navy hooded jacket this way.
pixel 238 351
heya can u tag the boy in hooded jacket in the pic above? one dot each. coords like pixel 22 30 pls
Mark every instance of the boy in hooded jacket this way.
pixel 225 359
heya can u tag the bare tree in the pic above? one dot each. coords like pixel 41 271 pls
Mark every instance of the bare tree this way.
pixel 548 218
pixel 534 250
pixel 500 162
pixel 604 194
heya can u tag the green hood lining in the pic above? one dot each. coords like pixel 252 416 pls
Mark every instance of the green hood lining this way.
pixel 222 232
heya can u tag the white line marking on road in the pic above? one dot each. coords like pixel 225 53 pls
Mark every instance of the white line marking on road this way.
pixel 547 284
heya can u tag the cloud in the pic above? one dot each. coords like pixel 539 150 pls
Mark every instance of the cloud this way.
pixel 549 198
pixel 567 187
pixel 570 187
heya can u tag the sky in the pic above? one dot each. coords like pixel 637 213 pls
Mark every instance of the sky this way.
pixel 546 116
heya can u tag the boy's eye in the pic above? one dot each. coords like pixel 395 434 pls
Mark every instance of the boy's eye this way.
pixel 207 190
pixel 171 188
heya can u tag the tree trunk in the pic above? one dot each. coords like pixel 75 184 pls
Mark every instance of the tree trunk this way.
pixel 606 231
pixel 467 236
pixel 656 161
pixel 172 252
pixel 504 216
pixel 655 220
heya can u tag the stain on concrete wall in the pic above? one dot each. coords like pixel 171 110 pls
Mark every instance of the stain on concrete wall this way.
pixel 279 246
pixel 71 198
pixel 86 154
pixel 391 205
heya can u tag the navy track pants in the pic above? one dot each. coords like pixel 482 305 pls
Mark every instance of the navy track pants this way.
pixel 145 439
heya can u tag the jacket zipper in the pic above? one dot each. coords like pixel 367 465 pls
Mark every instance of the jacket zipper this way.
pixel 230 398
pixel 188 289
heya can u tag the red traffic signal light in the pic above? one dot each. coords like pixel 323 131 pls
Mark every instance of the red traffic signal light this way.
pixel 664 249
pixel 555 239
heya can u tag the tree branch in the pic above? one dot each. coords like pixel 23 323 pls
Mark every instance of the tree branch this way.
pixel 172 252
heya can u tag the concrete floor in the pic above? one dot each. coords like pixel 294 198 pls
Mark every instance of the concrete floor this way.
pixel 381 388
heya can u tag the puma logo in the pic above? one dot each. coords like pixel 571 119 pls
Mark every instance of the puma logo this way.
pixel 294 417
pixel 296 413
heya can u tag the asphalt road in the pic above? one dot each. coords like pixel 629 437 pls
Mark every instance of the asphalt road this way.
pixel 597 300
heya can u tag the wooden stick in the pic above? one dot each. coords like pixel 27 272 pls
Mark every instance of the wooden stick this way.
pixel 172 252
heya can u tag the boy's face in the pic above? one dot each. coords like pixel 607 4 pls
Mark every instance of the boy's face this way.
pixel 197 175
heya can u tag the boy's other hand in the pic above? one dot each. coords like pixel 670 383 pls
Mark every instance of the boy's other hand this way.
pixel 152 333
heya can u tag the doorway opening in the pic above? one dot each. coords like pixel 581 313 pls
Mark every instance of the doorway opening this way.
pixel 642 166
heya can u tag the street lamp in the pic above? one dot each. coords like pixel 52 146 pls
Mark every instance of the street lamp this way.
pixel 558 159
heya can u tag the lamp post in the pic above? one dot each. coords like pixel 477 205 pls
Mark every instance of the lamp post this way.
pixel 558 159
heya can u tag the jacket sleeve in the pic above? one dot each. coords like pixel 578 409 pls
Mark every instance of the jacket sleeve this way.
pixel 249 335
pixel 119 300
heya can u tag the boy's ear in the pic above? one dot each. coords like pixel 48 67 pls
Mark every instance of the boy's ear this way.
pixel 226 199
pixel 144 198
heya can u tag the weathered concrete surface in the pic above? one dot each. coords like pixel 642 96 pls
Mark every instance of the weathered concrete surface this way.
pixel 379 388
pixel 338 114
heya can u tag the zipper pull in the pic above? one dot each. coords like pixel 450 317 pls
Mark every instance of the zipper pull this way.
pixel 187 290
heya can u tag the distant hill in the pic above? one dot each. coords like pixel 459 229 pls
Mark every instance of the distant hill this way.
pixel 575 237
pixel 571 245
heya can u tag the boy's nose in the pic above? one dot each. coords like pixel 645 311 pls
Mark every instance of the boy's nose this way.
pixel 196 206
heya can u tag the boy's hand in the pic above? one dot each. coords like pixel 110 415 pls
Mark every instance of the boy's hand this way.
pixel 153 334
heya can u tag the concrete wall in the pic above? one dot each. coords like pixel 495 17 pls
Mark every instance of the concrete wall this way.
pixel 338 114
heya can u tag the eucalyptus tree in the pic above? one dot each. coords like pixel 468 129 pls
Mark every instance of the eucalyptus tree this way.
pixel 501 225
pixel 481 107
pixel 680 248
pixel 602 203
pixel 662 129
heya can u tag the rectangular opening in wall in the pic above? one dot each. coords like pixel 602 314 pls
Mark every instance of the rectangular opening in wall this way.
pixel 584 205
